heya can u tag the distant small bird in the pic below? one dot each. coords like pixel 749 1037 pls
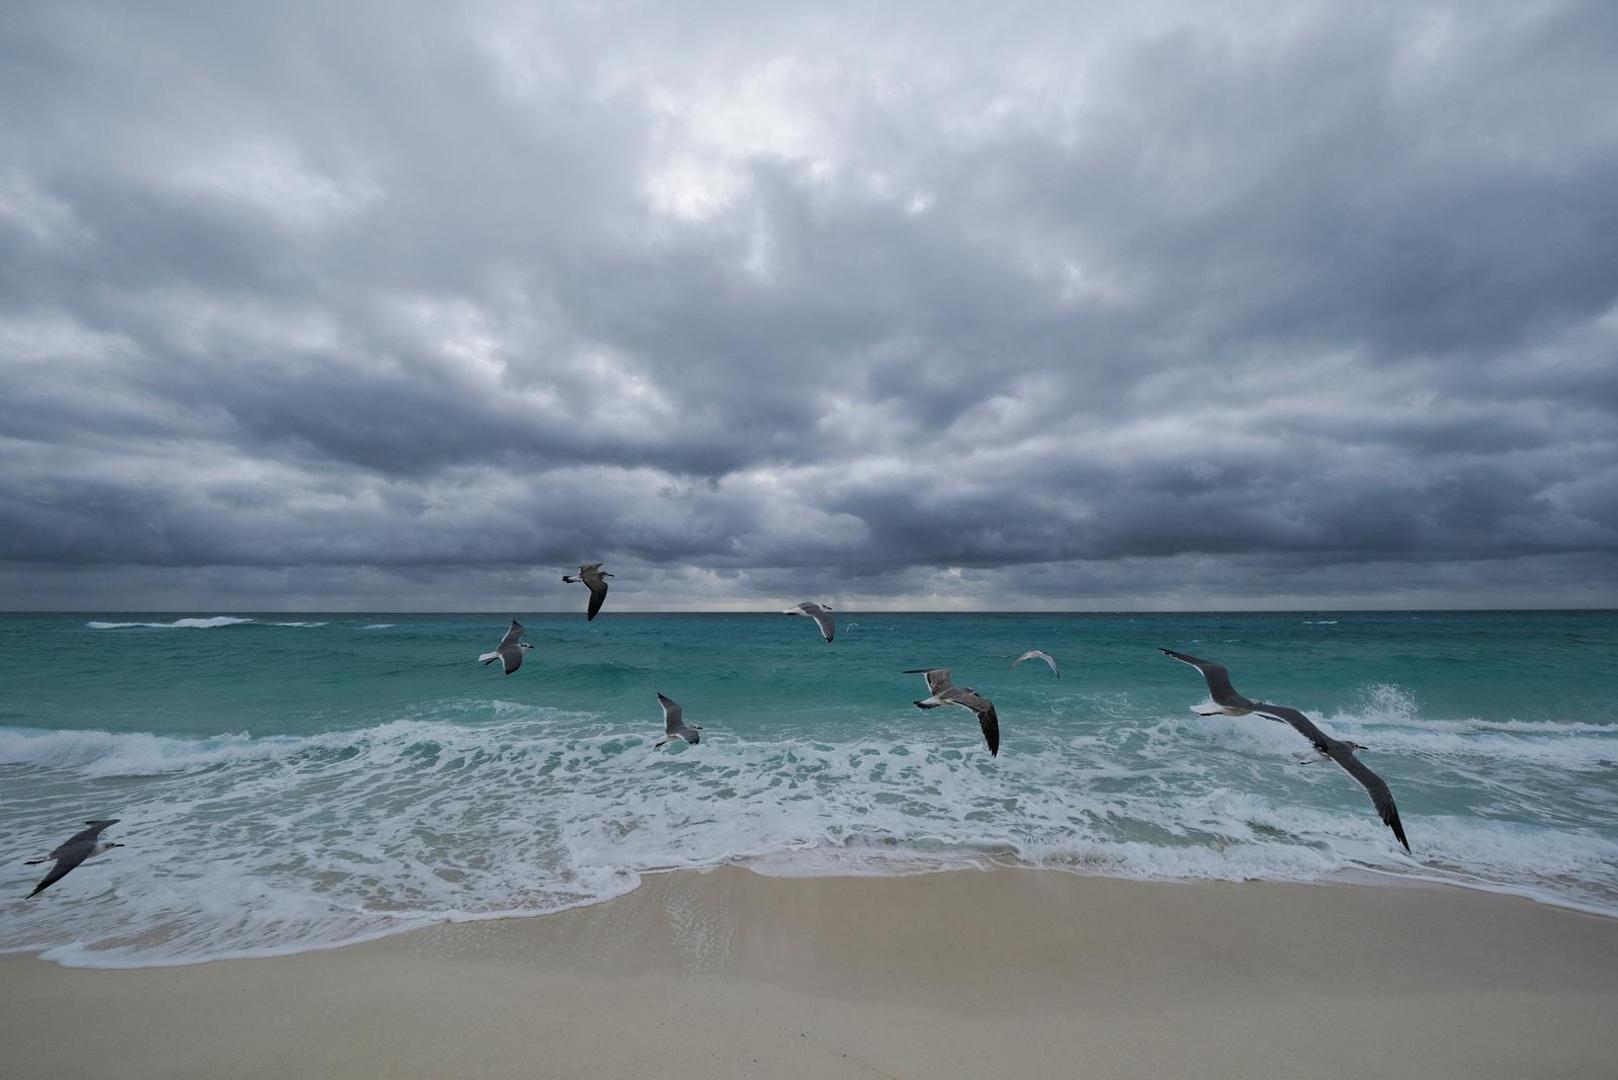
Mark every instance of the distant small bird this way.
pixel 942 692
pixel 674 726
pixel 1039 654
pixel 80 846
pixel 821 613
pixel 509 651
pixel 592 575
pixel 1230 703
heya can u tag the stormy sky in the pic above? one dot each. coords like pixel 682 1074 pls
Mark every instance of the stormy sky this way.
pixel 415 307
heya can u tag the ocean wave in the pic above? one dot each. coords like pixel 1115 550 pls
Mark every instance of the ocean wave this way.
pixel 242 845
pixel 211 623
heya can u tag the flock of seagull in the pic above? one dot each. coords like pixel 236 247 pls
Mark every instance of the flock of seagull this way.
pixel 941 691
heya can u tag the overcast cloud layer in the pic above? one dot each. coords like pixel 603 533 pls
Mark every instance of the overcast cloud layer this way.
pixel 415 308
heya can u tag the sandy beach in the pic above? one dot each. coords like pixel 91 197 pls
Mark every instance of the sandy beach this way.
pixel 964 974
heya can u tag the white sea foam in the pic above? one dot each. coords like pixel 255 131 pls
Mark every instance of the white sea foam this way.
pixel 242 845
pixel 210 623
pixel 378 626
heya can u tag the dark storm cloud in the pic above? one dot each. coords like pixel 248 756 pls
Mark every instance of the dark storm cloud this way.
pixel 383 308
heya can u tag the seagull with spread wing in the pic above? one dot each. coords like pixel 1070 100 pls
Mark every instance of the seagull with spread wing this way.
pixel 82 845
pixel 1039 654
pixel 821 613
pixel 940 691
pixel 674 725
pixel 592 575
pixel 509 651
pixel 1228 702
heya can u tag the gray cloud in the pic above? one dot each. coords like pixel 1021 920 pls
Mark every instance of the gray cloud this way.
pixel 386 308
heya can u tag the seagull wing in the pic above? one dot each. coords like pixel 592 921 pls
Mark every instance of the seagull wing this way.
pixel 1299 722
pixel 937 678
pixel 988 720
pixel 1217 677
pixel 598 593
pixel 1381 797
pixel 512 635
pixel 823 619
pixel 672 714
pixel 68 856
pixel 510 657
pixel 83 836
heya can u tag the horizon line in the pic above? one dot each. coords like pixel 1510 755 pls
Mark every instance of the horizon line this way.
pixel 842 611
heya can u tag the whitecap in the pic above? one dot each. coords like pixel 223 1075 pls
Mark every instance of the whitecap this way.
pixel 210 623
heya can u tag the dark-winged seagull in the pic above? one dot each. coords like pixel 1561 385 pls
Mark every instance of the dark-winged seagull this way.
pixel 592 575
pixel 674 726
pixel 78 847
pixel 1230 703
pixel 509 651
pixel 1039 654
pixel 942 692
pixel 821 613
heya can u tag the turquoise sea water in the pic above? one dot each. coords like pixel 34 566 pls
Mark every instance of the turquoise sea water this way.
pixel 295 781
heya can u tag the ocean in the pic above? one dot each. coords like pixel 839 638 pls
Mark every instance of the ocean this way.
pixel 291 782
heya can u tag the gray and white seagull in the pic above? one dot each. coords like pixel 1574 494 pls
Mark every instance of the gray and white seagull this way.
pixel 1039 654
pixel 82 845
pixel 821 613
pixel 592 575
pixel 674 725
pixel 1228 702
pixel 509 651
pixel 942 692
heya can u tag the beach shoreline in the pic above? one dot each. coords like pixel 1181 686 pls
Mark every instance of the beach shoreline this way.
pixel 1007 971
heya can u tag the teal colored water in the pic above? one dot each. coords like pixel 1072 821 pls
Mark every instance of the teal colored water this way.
pixel 293 781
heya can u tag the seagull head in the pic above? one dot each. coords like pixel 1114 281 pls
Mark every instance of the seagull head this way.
pixel 524 645
pixel 1354 745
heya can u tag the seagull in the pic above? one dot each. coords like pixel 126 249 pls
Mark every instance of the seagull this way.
pixel 592 575
pixel 1229 703
pixel 509 651
pixel 941 692
pixel 821 613
pixel 78 847
pixel 674 727
pixel 1038 654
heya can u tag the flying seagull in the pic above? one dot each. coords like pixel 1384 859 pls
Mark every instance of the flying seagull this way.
pixel 673 726
pixel 941 692
pixel 592 575
pixel 1038 654
pixel 78 847
pixel 509 651
pixel 1230 703
pixel 821 613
